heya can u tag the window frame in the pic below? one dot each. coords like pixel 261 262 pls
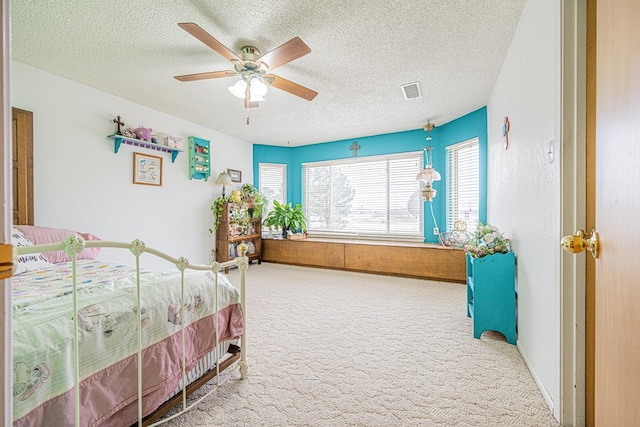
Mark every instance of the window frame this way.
pixel 453 182
pixel 417 236
pixel 273 166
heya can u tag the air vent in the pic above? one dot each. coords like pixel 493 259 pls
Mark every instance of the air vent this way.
pixel 411 90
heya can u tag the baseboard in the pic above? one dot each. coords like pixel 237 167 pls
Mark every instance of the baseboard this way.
pixel 545 394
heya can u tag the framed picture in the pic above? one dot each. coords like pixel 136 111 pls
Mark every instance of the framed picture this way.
pixel 236 176
pixel 147 169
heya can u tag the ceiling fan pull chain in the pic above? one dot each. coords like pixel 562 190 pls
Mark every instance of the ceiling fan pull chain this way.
pixel 247 119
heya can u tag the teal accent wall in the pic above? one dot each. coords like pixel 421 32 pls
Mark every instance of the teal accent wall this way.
pixel 466 127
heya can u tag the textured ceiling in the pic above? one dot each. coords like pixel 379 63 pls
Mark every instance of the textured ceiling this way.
pixel 361 54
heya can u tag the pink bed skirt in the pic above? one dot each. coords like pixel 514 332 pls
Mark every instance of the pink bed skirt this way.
pixel 109 397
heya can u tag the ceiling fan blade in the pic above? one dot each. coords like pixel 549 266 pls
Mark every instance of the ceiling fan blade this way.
pixel 291 87
pixel 293 49
pixel 204 76
pixel 196 31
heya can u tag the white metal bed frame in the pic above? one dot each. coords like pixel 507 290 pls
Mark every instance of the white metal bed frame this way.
pixel 73 245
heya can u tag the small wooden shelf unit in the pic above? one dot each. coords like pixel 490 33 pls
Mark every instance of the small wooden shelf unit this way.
pixel 199 158
pixel 237 225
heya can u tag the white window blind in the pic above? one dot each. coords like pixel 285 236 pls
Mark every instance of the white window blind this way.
pixel 463 184
pixel 376 196
pixel 273 184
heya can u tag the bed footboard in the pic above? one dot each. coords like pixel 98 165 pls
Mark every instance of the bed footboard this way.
pixel 180 321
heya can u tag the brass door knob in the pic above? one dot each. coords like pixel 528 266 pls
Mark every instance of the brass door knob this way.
pixel 581 241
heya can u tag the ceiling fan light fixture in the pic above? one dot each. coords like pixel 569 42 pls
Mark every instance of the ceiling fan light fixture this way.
pixel 258 88
pixel 238 89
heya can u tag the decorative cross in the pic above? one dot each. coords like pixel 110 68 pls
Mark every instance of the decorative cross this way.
pixel 355 148
pixel 119 123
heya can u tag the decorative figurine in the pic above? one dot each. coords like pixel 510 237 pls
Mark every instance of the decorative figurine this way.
pixel 129 133
pixel 118 123
pixel 143 133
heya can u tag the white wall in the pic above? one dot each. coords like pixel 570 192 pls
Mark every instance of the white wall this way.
pixel 524 187
pixel 80 183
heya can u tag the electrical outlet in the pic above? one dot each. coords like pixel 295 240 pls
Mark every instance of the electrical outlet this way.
pixel 436 231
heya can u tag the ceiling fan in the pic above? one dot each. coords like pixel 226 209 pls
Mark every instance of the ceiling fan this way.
pixel 252 67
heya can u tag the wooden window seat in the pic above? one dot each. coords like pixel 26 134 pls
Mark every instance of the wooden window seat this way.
pixel 421 260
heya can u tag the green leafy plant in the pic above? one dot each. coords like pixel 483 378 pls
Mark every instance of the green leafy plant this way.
pixel 216 208
pixel 253 198
pixel 286 217
pixel 250 201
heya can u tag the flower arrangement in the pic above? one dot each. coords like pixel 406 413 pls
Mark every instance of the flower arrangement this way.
pixel 487 240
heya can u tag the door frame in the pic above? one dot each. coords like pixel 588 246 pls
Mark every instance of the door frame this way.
pixel 573 198
pixel 5 214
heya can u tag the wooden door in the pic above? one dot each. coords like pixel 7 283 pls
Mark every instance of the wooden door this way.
pixel 22 135
pixel 617 212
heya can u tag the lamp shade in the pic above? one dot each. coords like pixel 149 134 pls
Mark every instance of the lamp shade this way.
pixel 428 174
pixel 223 179
pixel 257 90
pixel 238 89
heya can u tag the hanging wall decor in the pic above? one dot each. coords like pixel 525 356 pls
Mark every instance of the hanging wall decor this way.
pixel 355 147
pixel 235 175
pixel 147 169
pixel 505 132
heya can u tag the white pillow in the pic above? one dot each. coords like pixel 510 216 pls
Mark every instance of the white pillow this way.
pixel 27 262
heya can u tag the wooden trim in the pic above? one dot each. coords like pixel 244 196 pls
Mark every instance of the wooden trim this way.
pixel 420 260
pixel 6 368
pixel 590 335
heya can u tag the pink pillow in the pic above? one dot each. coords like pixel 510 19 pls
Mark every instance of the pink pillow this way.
pixel 43 235
pixel 27 262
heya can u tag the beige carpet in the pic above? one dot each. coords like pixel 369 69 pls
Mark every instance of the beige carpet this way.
pixel 333 348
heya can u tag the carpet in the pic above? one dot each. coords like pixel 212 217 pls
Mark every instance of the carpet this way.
pixel 336 348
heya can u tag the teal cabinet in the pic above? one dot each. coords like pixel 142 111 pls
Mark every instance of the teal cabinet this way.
pixel 491 294
pixel 199 158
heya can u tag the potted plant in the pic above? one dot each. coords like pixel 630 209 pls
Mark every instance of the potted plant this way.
pixel 286 217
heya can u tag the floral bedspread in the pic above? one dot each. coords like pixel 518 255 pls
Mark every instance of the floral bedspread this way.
pixel 43 320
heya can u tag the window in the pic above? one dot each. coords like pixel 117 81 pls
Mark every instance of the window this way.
pixel 272 179
pixel 463 184
pixel 375 196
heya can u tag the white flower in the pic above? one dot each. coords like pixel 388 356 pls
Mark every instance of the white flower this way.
pixel 487 240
